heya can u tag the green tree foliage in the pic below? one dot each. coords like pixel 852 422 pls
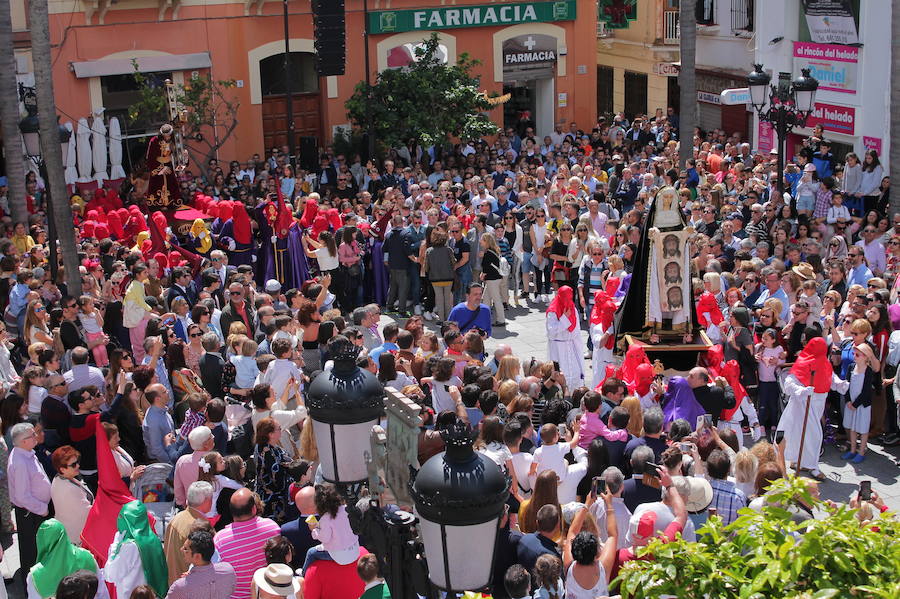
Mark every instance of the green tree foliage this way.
pixel 211 112
pixel 766 555
pixel 427 101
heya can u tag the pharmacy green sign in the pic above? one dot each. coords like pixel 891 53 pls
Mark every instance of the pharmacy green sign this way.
pixel 455 17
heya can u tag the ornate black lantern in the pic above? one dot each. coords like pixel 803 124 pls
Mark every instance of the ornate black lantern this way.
pixel 459 497
pixel 344 403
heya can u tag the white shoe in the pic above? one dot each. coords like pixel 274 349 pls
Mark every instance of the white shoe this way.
pixel 545 298
pixel 429 316
pixel 417 310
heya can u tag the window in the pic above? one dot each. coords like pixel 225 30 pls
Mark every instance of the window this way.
pixel 304 79
pixel 635 94
pixel 604 90
pixel 742 15
pixel 706 12
pixel 119 92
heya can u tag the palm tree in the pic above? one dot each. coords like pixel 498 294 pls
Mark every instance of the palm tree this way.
pixel 687 79
pixel 61 212
pixel 895 108
pixel 9 119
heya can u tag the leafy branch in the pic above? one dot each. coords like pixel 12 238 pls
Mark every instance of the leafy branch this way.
pixel 211 111
pixel 426 101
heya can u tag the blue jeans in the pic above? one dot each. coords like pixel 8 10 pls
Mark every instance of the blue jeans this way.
pixel 415 286
pixel 465 277
pixel 314 555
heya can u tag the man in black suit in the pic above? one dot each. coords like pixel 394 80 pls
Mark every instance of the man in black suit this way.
pixel 297 531
pixel 211 365
pixel 182 286
pixel 237 310
pixel 535 544
pixel 618 420
pixel 711 396
pixel 634 491
pixel 326 173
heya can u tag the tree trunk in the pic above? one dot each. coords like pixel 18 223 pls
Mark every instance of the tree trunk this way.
pixel 50 148
pixel 687 80
pixel 9 118
pixel 894 165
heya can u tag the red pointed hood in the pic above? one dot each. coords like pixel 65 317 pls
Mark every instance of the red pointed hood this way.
pixel 242 231
pixel 112 494
pixel 812 367
pixel 563 303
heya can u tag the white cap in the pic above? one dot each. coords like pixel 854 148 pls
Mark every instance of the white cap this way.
pixel 273 286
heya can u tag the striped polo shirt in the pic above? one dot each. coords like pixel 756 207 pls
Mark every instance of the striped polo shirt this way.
pixel 241 545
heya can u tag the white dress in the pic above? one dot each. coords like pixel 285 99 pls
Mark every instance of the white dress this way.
pixel 576 591
pixel 602 356
pixel 791 421
pixel 564 346
pixel 124 570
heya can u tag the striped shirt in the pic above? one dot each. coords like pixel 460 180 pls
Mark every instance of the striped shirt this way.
pixel 241 545
pixel 727 499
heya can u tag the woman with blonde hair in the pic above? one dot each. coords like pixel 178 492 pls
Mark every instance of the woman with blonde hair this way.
pixel 745 465
pixel 635 416
pixel 509 369
pixel 507 391
pixel 853 292
pixel 544 493
pixel 774 304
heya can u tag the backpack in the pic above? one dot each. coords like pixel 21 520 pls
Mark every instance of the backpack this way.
pixel 504 267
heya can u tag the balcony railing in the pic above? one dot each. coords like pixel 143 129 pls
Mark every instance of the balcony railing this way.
pixel 742 15
pixel 671 31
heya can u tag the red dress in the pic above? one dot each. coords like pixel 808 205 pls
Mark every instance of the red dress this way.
pixel 163 191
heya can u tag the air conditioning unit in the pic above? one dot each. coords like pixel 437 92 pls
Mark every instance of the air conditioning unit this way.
pixel 603 30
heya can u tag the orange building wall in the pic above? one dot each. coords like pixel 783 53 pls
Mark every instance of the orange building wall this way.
pixel 228 35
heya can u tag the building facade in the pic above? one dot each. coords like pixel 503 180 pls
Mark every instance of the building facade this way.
pixel 852 65
pixel 529 49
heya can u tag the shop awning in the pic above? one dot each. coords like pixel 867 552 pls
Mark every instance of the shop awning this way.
pixel 145 64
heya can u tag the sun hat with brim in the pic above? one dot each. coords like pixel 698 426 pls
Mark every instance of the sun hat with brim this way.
pixel 277 579
pixel 805 271
pixel 697 492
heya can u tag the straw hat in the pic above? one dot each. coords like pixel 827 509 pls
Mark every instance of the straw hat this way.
pixel 277 579
pixel 805 271
pixel 697 492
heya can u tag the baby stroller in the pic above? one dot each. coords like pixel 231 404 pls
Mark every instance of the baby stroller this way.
pixel 155 491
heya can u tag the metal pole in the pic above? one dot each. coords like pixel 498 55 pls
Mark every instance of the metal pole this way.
pixel 781 132
pixel 370 126
pixel 287 88
pixel 51 224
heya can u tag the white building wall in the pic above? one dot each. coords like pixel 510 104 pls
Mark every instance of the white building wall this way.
pixel 781 19
pixel 720 47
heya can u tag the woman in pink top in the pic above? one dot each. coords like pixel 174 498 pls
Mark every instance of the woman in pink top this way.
pixel 350 257
pixel 338 542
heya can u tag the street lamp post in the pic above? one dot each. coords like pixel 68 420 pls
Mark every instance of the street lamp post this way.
pixel 459 497
pixel 785 105
pixel 30 129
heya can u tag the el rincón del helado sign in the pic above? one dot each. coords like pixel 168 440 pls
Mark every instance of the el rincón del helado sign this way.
pixel 454 17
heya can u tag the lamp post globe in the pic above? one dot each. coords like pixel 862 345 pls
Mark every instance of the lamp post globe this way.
pixel 459 497
pixel 758 82
pixel 804 88
pixel 344 403
pixel 30 128
pixel 64 136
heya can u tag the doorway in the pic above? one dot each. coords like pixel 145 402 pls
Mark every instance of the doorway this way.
pixel 531 97
pixel 305 99
pixel 635 94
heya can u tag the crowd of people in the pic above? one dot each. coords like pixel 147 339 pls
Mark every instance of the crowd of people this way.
pixel 177 373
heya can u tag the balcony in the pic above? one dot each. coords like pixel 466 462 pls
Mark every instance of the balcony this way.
pixel 671 31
